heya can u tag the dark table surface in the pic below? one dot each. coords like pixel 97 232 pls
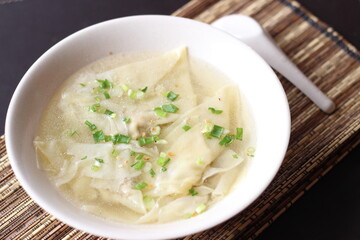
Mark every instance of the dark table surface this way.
pixel 330 210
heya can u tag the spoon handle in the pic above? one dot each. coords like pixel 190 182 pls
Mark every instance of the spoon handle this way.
pixel 249 31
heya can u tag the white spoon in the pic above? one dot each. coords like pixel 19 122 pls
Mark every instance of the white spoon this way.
pixel 252 34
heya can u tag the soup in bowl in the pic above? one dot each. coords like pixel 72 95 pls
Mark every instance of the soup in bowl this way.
pixel 152 123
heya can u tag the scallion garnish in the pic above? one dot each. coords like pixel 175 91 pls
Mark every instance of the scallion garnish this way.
pixel 84 158
pixel 105 84
pixel 140 185
pixel 170 108
pixel 172 96
pixel 186 128
pixel 138 165
pixel 97 99
pixel 149 202
pixel 162 161
pixel 140 156
pixel 90 125
pixel 124 87
pixel 152 173
pixel 164 169
pixel 131 94
pixel 83 84
pixel 94 107
pixel 207 128
pixel 214 111
pixel 144 89
pixel 73 132
pixel 132 153
pixel 235 156
pixel 119 138
pixel 160 112
pixel 146 140
pixel 106 95
pixel 99 160
pixel 126 120
pixel 239 133
pixel 192 192
pixel 114 153
pixel 110 113
pixel 108 138
pixel 227 140
pixel 99 136
pixel 217 131
pixel 201 208
pixel 95 167
pixel 199 161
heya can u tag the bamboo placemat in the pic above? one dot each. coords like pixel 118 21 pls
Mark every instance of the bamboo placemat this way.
pixel 318 141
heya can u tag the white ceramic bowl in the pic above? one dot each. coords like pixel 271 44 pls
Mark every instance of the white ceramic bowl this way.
pixel 257 82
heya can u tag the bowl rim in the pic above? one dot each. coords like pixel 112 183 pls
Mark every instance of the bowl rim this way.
pixel 184 232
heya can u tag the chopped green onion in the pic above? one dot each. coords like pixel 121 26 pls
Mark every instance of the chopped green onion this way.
pixel 124 87
pixel 83 84
pixel 144 89
pixel 126 120
pixel 162 161
pixel 207 128
pixel 110 113
pixel 207 135
pixel 227 140
pixel 170 108
pixel 186 128
pixel 146 140
pixel 155 130
pixel 214 111
pixel 251 149
pixel 106 95
pixel 138 165
pixel 99 160
pixel 161 141
pixel 105 84
pixel 160 112
pixel 84 158
pixel 239 134
pixel 132 153
pixel 95 167
pixel 99 136
pixel 108 138
pixel 140 156
pixel 97 99
pixel 192 192
pixel 149 202
pixel 119 138
pixel 114 153
pixel 172 96
pixel 201 208
pixel 139 94
pixel 199 161
pixel 217 131
pixel 152 173
pixel 235 156
pixel 94 107
pixel 163 169
pixel 72 133
pixel 90 125
pixel 131 94
pixel 140 185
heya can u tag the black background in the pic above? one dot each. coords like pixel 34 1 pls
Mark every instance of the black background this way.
pixel 330 210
